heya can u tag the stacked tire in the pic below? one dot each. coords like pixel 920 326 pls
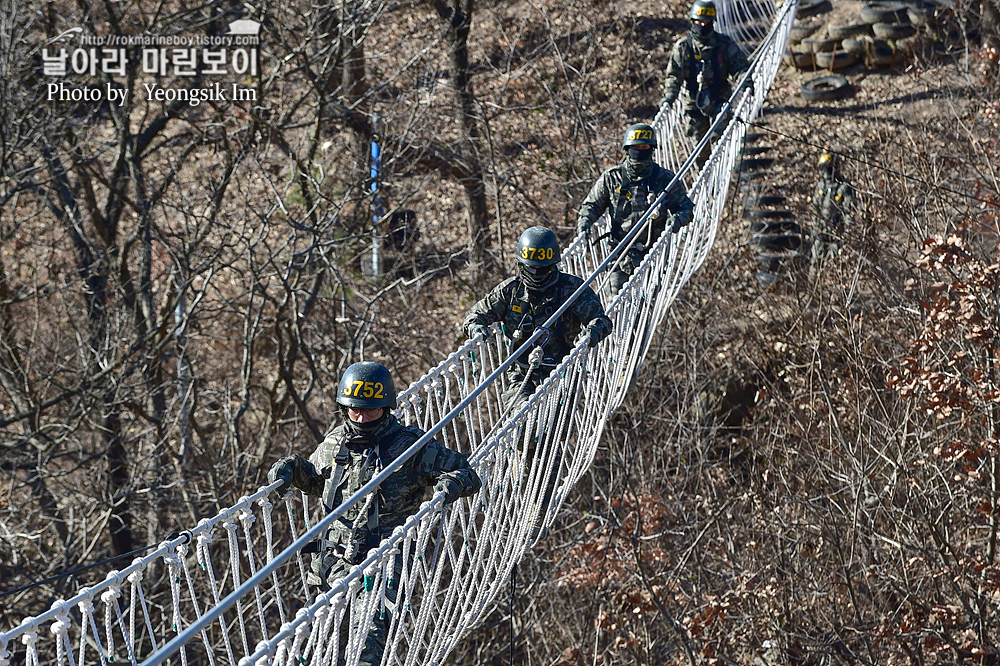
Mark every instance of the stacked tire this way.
pixel 884 32
pixel 774 235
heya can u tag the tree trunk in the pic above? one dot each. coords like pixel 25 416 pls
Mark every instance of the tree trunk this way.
pixel 991 42
pixel 457 15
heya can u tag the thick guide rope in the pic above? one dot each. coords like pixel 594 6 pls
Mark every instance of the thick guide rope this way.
pixel 241 596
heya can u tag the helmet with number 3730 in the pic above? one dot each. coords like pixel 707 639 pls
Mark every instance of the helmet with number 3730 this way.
pixel 367 385
pixel 538 246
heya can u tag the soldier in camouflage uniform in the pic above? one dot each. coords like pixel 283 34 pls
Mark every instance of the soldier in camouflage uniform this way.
pixel 831 204
pixel 527 300
pixel 626 192
pixel 700 66
pixel 351 454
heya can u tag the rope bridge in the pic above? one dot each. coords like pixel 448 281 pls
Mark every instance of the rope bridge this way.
pixel 233 589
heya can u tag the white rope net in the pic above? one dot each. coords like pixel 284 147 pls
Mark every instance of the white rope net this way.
pixel 231 592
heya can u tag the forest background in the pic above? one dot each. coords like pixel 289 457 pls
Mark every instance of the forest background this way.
pixel 805 474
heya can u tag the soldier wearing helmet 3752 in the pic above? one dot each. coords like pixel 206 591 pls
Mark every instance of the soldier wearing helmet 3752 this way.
pixel 369 439
pixel 525 301
pixel 626 192
pixel 701 64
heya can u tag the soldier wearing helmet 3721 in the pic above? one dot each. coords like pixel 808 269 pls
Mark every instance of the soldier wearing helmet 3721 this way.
pixel 348 457
pixel 701 64
pixel 527 300
pixel 626 192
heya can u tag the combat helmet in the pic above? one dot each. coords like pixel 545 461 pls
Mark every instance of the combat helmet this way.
pixel 703 10
pixel 367 385
pixel 827 161
pixel 537 256
pixel 637 134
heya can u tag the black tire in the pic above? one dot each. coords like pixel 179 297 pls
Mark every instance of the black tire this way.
pixel 881 55
pixel 884 11
pixel 754 163
pixel 845 31
pixel 813 7
pixel 800 60
pixel 894 30
pixel 820 45
pixel 918 15
pixel 766 278
pixel 752 176
pixel 858 45
pixel 750 151
pixel 825 88
pixel 835 60
pixel 763 200
pixel 777 242
pixel 800 31
pixel 775 227
pixel 768 215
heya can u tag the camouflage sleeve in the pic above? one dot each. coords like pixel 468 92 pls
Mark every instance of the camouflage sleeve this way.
pixel 591 313
pixel 845 198
pixel 438 462
pixel 488 310
pixel 817 200
pixel 306 478
pixel 674 75
pixel 678 202
pixel 738 63
pixel 598 200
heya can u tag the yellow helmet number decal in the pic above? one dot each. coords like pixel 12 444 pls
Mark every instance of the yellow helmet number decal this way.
pixel 537 253
pixel 708 12
pixel 640 135
pixel 360 389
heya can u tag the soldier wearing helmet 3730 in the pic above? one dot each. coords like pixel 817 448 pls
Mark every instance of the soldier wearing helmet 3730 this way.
pixel 525 301
pixel 368 440
pixel 701 64
pixel 626 192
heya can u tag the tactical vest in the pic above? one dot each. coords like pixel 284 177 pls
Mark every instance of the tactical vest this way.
pixel 625 195
pixel 713 66
pixel 524 316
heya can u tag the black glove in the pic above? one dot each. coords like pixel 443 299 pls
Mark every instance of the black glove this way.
pixel 477 329
pixel 667 102
pixel 749 85
pixel 583 227
pixel 282 471
pixel 681 219
pixel 450 487
pixel 592 338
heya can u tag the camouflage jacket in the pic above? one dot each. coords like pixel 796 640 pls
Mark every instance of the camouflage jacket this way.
pixel 626 200
pixel 832 201
pixel 519 309
pixel 721 59
pixel 399 496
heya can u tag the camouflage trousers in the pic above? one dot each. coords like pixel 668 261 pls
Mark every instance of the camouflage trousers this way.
pixel 824 248
pixel 377 626
pixel 696 124
pixel 518 391
pixel 623 270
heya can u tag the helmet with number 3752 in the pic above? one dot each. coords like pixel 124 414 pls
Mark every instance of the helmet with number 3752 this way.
pixel 367 385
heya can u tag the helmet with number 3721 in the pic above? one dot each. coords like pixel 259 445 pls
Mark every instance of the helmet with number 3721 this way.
pixel 366 385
